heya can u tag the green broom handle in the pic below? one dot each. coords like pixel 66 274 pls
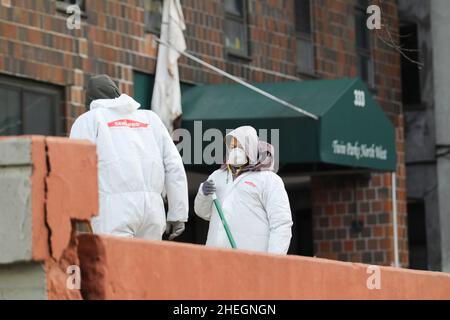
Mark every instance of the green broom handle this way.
pixel 224 221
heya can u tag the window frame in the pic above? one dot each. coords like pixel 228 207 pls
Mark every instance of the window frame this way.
pixel 364 52
pixel 308 37
pixel 147 28
pixel 62 5
pixel 243 19
pixel 408 105
pixel 31 86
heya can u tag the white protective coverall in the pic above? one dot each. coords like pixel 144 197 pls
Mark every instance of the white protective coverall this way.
pixel 136 160
pixel 256 205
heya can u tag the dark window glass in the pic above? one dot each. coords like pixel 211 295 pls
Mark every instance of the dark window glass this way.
pixel 235 37
pixel 305 44
pixel 38 114
pixel 361 32
pixel 364 67
pixel 29 107
pixel 80 3
pixel 305 55
pixel 303 16
pixel 411 92
pixel 235 29
pixel 153 15
pixel 234 7
pixel 10 119
pixel 417 236
pixel 363 46
pixel 363 4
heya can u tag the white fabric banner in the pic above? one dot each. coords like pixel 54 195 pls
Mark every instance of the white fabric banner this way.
pixel 166 100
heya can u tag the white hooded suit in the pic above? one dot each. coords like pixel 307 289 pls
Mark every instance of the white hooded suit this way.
pixel 136 161
pixel 255 205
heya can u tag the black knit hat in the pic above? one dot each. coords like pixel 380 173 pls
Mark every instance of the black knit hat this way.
pixel 101 87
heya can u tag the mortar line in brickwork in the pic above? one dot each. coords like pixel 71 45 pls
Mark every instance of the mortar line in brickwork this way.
pixel 207 56
pixel 31 27
pixel 35 45
pixel 273 73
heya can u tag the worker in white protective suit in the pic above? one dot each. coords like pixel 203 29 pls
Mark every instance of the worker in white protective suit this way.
pixel 137 159
pixel 253 197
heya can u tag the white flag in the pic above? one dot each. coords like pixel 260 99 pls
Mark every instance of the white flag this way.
pixel 166 100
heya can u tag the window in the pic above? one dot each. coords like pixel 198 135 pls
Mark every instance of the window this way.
pixel 417 235
pixel 63 4
pixel 236 40
pixel 29 107
pixel 305 44
pixel 411 92
pixel 153 15
pixel 363 44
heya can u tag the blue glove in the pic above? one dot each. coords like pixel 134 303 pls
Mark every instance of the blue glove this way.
pixel 208 187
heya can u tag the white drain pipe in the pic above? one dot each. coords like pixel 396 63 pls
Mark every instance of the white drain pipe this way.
pixel 394 219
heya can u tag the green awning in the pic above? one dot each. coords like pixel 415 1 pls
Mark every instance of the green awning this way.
pixel 352 131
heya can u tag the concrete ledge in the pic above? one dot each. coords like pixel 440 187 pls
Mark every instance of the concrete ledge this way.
pixel 15 151
pixel 118 268
pixel 22 184
pixel 23 281
pixel 46 184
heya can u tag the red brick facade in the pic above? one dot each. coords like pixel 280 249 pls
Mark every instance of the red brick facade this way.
pixel 339 200
pixel 36 44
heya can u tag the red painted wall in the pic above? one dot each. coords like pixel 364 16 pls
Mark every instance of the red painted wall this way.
pixel 119 268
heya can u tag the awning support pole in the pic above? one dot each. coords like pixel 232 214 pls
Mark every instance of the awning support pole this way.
pixel 240 81
pixel 394 219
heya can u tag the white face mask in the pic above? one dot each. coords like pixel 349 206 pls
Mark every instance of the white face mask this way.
pixel 237 157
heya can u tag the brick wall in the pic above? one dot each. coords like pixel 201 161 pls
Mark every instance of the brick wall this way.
pixel 271 34
pixel 35 44
pixel 339 200
pixel 353 220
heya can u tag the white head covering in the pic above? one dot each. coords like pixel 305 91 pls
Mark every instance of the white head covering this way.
pixel 248 140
